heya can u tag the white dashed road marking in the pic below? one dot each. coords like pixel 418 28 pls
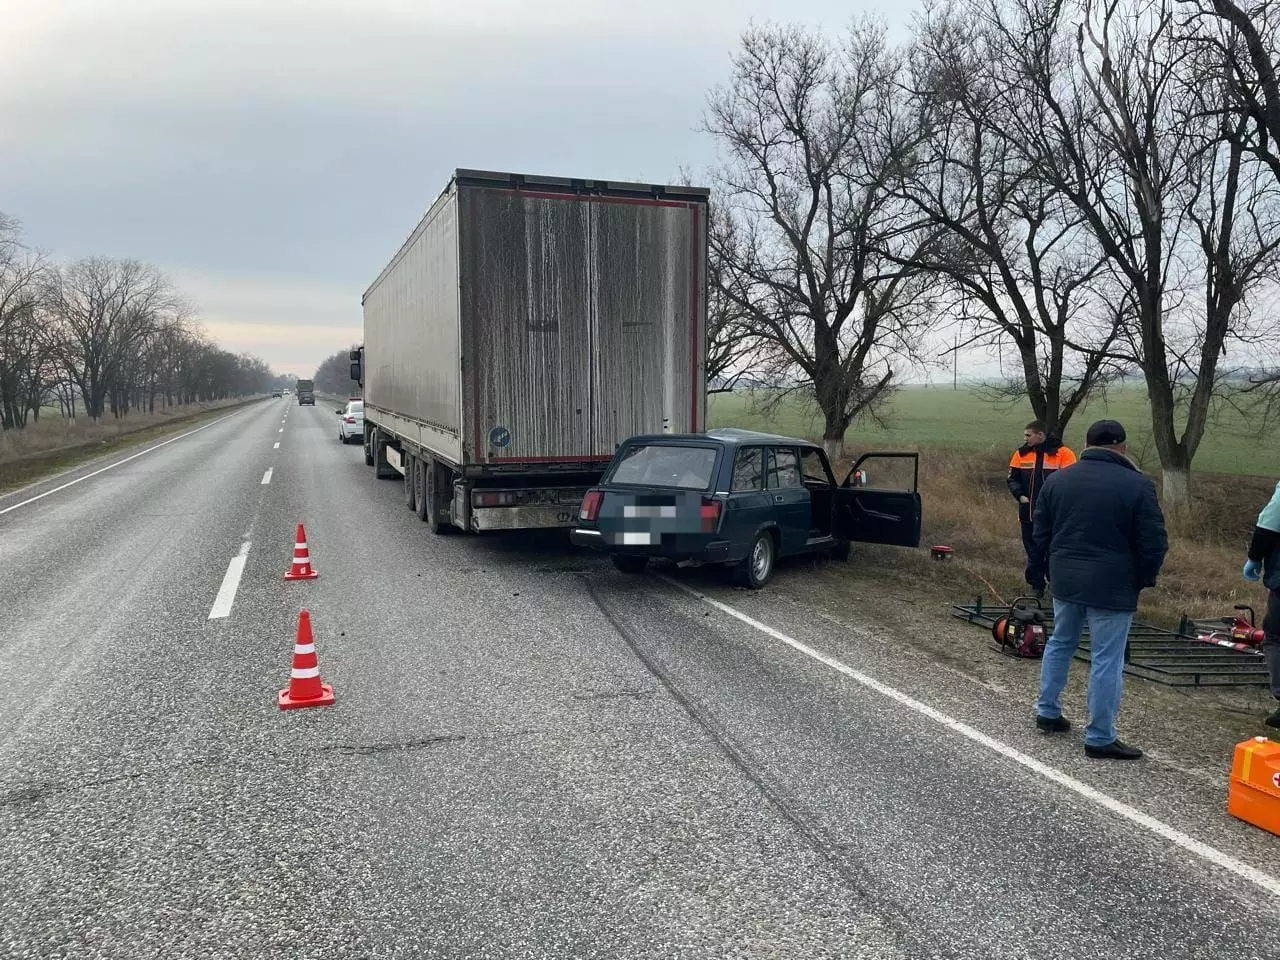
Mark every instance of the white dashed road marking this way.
pixel 266 477
pixel 230 584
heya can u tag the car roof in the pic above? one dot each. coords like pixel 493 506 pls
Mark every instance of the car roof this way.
pixel 729 436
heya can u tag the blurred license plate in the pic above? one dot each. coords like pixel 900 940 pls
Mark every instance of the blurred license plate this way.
pixel 637 511
pixel 636 538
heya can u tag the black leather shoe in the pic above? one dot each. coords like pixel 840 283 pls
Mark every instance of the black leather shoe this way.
pixel 1053 724
pixel 1274 719
pixel 1115 750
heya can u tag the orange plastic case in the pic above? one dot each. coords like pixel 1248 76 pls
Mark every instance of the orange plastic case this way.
pixel 1254 791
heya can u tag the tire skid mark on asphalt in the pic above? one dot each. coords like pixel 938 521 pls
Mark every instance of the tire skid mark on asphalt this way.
pixel 899 926
pixel 1147 822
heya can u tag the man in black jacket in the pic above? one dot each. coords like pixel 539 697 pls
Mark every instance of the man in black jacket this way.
pixel 1101 530
pixel 1264 564
pixel 1040 457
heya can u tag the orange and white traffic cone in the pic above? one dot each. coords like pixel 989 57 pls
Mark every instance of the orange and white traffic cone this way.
pixel 301 568
pixel 305 688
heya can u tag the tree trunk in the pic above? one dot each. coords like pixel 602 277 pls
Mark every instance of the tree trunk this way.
pixel 1175 484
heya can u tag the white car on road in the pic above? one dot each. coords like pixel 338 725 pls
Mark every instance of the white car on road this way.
pixel 351 421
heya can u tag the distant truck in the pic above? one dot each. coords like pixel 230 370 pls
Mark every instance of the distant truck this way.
pixel 526 328
pixel 306 392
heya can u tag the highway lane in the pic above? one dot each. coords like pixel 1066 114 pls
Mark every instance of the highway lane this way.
pixel 531 755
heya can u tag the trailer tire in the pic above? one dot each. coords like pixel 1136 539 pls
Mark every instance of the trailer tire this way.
pixel 367 442
pixel 410 492
pixel 381 468
pixel 437 515
pixel 421 508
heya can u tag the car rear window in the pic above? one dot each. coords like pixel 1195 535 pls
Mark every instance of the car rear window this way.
pixel 662 465
pixel 355 406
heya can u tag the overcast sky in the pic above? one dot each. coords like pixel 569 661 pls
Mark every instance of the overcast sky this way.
pixel 272 156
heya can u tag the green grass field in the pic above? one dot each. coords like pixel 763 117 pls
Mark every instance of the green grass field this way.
pixel 939 417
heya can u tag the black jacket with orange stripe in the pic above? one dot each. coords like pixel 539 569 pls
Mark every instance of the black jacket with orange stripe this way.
pixel 1029 467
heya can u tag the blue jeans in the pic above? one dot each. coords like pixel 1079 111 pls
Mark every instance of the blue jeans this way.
pixel 1035 574
pixel 1108 633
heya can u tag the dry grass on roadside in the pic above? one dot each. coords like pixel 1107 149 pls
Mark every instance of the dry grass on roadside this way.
pixel 52 433
pixel 968 507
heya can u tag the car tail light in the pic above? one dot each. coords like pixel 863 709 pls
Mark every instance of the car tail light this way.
pixel 591 505
pixel 348 419
pixel 710 514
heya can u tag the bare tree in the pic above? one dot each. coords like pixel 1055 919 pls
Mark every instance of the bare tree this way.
pixel 1019 261
pixel 105 308
pixel 23 351
pixel 731 347
pixel 812 254
pixel 1245 40
pixel 1119 143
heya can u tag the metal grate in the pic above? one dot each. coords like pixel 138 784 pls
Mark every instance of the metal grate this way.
pixel 1171 657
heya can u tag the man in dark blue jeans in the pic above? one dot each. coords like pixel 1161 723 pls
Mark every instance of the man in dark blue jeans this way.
pixel 1100 528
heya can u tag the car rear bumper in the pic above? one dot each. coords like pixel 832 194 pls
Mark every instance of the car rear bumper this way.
pixel 676 548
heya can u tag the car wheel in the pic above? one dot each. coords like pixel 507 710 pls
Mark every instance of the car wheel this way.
pixel 842 551
pixel 629 563
pixel 756 568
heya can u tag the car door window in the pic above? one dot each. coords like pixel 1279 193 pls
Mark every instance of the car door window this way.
pixel 813 467
pixel 784 468
pixel 748 470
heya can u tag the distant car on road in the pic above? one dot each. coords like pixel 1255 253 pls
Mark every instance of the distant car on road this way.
pixel 351 421
pixel 743 499
pixel 275 393
pixel 306 392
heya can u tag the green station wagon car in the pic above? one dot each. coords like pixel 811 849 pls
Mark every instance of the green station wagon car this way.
pixel 744 499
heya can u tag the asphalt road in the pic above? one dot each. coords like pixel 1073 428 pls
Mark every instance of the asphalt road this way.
pixel 531 755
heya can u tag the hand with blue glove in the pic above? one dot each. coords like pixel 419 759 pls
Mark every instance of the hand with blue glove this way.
pixel 1253 570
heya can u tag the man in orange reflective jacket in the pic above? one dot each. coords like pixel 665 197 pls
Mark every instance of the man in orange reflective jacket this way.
pixel 1031 465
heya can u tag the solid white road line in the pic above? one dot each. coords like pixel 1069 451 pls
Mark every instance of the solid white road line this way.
pixel 1118 807
pixel 118 463
pixel 230 584
pixel 276 445
pixel 266 477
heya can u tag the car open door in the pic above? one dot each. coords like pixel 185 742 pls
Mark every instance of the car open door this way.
pixel 884 506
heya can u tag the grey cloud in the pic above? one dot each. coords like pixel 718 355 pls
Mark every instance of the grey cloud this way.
pixel 286 148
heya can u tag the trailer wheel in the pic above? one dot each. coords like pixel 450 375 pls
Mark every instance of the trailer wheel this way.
pixel 410 492
pixel 437 503
pixel 381 468
pixel 422 507
pixel 367 442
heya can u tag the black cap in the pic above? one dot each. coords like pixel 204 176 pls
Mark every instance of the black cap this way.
pixel 1105 433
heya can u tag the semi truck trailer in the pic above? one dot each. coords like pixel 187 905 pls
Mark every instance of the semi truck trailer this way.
pixel 525 329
